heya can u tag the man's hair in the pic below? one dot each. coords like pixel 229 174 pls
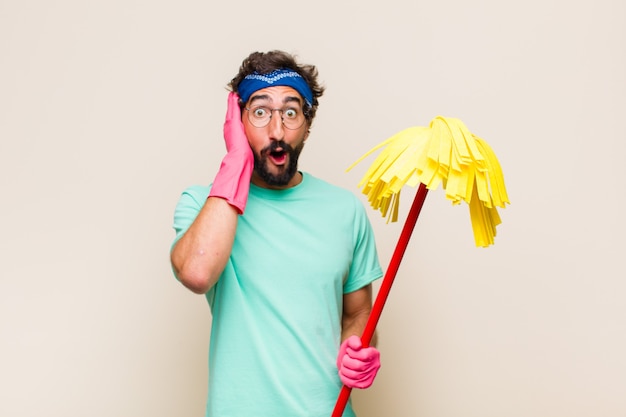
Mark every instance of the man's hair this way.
pixel 266 62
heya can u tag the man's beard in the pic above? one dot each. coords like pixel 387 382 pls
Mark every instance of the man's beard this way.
pixel 261 163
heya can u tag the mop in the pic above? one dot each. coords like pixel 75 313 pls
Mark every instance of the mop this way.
pixel 444 153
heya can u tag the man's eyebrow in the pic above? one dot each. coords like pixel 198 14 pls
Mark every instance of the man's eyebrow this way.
pixel 287 99
pixel 259 97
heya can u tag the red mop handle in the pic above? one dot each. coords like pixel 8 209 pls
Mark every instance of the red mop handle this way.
pixel 385 287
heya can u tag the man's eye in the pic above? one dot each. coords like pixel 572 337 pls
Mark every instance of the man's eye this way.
pixel 260 112
pixel 290 113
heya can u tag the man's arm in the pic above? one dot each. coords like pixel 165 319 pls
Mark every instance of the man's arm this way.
pixel 199 257
pixel 357 365
pixel 357 306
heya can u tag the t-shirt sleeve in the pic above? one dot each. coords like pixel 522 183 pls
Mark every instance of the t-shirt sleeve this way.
pixel 365 267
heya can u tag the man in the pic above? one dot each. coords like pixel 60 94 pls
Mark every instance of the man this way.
pixel 285 260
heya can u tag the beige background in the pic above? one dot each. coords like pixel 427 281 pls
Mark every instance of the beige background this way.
pixel 108 109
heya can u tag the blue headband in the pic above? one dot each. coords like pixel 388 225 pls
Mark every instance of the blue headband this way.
pixel 284 76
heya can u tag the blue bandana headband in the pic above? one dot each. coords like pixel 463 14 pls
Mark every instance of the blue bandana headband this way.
pixel 284 77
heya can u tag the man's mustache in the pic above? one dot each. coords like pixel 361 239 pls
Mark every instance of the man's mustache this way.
pixel 275 146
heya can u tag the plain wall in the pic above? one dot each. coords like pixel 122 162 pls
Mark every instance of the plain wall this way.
pixel 109 109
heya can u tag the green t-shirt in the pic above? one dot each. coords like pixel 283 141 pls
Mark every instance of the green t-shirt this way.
pixel 277 306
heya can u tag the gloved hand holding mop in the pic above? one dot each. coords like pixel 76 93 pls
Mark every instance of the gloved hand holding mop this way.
pixel 357 365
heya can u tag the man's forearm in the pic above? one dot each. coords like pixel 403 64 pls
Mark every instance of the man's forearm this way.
pixel 356 326
pixel 356 311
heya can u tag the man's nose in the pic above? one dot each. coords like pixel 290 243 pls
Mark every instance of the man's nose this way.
pixel 276 127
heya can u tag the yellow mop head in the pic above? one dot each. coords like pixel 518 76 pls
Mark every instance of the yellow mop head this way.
pixel 446 153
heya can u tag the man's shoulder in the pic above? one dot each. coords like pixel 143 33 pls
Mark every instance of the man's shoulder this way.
pixel 201 191
pixel 194 195
pixel 320 184
pixel 330 193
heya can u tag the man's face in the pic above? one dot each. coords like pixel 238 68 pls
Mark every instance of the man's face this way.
pixel 276 148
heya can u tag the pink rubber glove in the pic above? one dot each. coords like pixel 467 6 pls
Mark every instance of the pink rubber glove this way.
pixel 357 365
pixel 232 181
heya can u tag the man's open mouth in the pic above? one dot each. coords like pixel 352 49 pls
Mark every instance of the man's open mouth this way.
pixel 278 153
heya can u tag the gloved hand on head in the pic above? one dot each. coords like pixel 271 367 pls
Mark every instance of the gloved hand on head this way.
pixel 357 365
pixel 232 181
